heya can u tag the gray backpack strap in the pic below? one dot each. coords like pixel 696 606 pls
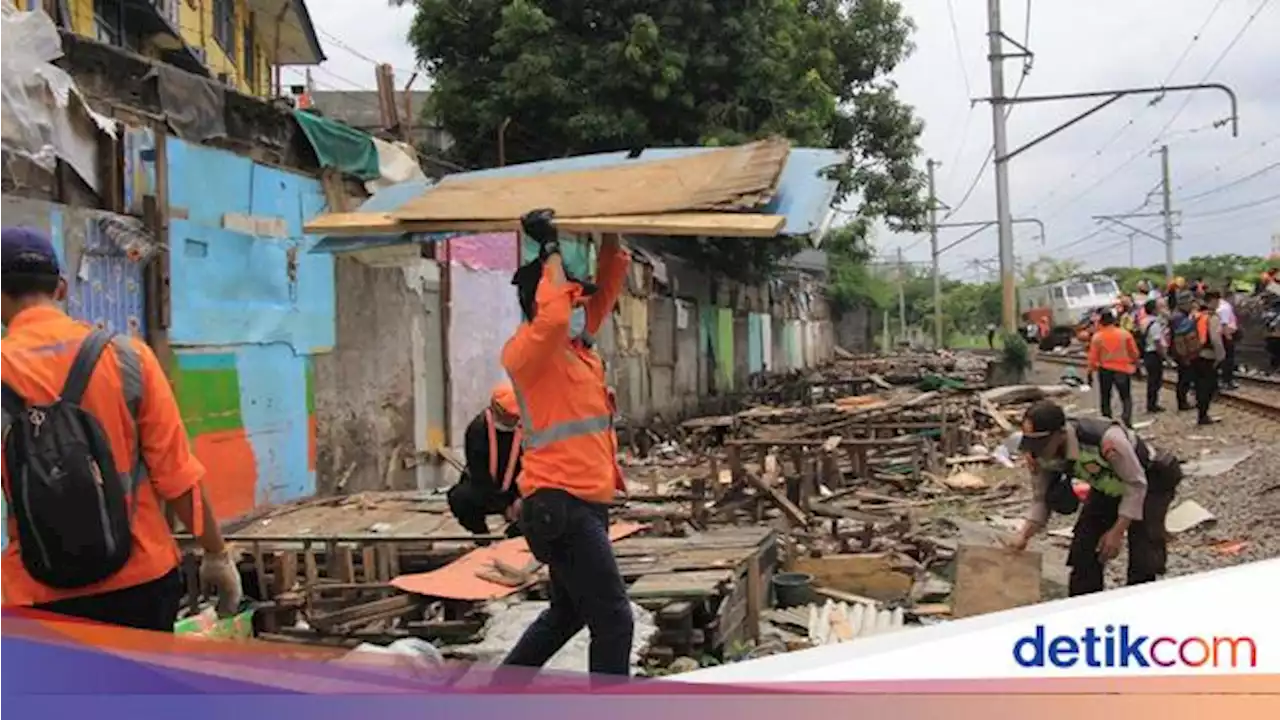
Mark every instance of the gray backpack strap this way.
pixel 82 367
pixel 131 381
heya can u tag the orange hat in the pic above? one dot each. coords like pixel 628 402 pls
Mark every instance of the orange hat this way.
pixel 504 397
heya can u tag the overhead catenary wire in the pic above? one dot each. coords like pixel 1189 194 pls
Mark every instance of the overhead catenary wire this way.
pixel 991 150
pixel 1208 73
pixel 1096 154
pixel 1234 183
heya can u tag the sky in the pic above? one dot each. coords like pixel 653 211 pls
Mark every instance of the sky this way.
pixel 1226 189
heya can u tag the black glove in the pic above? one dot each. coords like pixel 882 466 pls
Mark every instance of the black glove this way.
pixel 539 225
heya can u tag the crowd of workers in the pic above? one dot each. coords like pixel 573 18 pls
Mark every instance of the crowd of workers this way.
pixel 1190 325
pixel 95 448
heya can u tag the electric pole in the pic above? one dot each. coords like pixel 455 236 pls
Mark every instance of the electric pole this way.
pixel 1004 220
pixel 902 298
pixel 935 252
pixel 1168 214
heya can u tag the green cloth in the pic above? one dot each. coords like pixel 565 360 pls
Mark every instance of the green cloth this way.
pixel 209 625
pixel 577 254
pixel 340 146
pixel 937 382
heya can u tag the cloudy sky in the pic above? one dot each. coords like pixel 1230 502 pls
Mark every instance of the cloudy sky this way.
pixel 1227 188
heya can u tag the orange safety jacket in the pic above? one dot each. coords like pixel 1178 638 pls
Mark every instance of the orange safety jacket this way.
pixel 566 406
pixel 1113 349
pixel 493 451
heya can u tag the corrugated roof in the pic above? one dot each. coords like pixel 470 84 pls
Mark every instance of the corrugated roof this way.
pixel 744 177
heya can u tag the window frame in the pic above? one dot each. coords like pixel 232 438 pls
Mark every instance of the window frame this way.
pixel 224 28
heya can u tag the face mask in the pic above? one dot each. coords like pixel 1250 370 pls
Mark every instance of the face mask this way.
pixel 578 322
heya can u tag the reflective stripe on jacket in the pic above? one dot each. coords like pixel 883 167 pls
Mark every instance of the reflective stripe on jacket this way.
pixel 566 407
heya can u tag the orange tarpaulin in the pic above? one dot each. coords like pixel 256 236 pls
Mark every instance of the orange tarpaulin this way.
pixel 458 580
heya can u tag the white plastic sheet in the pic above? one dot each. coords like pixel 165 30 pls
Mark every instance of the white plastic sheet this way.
pixel 44 115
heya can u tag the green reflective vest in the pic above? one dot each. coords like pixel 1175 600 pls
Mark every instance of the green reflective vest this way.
pixel 1097 472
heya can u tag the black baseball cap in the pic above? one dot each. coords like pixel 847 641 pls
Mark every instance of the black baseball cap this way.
pixel 27 251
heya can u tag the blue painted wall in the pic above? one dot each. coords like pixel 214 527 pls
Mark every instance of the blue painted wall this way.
pixel 264 305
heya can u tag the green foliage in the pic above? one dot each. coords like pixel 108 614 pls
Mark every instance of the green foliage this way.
pixel 851 281
pixel 1050 270
pixel 1213 269
pixel 1015 353
pixel 568 78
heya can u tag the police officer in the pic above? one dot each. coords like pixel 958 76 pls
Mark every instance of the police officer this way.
pixel 1130 490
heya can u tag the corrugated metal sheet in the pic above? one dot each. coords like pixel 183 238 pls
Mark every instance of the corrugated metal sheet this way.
pixel 832 623
pixel 739 178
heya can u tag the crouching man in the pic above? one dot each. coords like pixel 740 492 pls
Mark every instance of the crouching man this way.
pixel 1130 490
pixel 492 447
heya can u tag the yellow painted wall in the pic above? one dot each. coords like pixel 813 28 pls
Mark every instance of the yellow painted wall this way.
pixel 196 26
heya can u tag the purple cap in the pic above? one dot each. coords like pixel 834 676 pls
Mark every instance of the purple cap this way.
pixel 27 250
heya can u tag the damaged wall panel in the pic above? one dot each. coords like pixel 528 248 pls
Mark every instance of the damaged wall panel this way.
pixel 250 308
pixel 484 313
pixel 378 399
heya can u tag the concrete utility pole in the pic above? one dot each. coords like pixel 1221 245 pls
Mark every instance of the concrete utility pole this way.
pixel 1168 214
pixel 933 248
pixel 1004 218
pixel 902 298
pixel 996 56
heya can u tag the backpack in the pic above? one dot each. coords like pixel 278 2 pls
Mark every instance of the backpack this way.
pixel 1186 337
pixel 74 510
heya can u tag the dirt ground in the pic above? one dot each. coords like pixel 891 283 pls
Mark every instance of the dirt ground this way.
pixel 1245 500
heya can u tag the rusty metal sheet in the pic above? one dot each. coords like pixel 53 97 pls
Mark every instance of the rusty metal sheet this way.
pixel 737 178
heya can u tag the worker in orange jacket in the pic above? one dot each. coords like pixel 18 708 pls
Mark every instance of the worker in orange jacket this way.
pixel 492 447
pixel 1113 356
pixel 569 470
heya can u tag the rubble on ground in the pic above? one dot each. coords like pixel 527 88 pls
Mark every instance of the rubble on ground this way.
pixel 863 479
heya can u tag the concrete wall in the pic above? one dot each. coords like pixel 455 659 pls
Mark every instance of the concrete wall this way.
pixel 853 330
pixel 484 313
pixel 250 308
pixel 366 388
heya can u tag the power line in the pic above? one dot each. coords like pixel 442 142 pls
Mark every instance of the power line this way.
pixel 991 151
pixel 342 45
pixel 955 37
pixel 1247 152
pixel 1236 208
pixel 1233 183
pixel 1223 56
pixel 1186 51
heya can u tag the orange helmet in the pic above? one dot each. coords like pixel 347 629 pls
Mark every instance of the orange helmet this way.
pixel 503 397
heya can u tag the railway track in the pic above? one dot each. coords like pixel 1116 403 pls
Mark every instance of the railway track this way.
pixel 1262 398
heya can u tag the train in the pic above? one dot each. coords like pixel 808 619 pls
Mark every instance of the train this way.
pixel 1056 310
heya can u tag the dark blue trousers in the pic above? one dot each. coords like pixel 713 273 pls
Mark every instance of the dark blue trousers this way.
pixel 571 536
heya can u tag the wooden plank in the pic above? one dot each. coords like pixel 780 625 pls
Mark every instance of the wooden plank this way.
pixel 873 575
pixel 679 224
pixel 731 178
pixel 389 607
pixel 753 599
pixel 990 579
pixel 680 585
pixel 343 564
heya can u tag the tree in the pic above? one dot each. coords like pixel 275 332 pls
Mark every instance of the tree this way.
pixel 565 78
pixel 1050 270
pixel 851 280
